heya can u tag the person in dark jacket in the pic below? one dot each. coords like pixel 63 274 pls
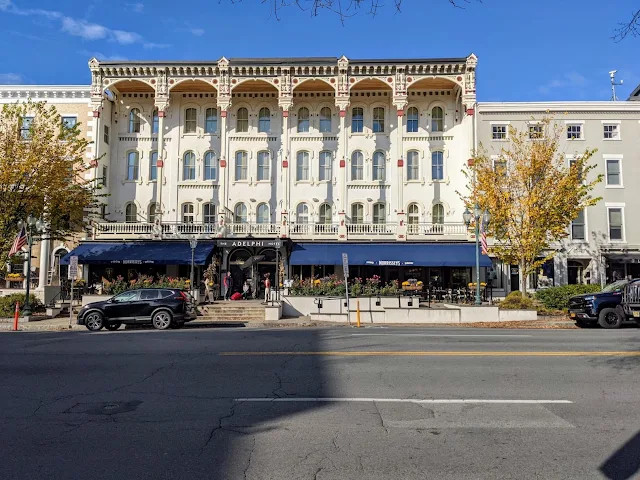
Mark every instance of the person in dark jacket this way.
pixel 228 286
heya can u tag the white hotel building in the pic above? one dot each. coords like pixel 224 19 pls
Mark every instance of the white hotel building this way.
pixel 311 157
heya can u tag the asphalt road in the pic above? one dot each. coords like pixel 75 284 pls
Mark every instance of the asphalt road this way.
pixel 334 403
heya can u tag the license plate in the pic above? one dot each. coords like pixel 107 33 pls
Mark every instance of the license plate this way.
pixel 572 314
pixel 636 314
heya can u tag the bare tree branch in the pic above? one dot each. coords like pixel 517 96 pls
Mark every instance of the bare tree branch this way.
pixel 632 27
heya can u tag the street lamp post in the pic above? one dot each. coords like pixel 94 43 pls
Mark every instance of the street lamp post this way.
pixel 193 243
pixel 477 215
pixel 32 224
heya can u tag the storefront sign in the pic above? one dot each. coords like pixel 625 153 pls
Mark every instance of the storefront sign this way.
pixel 389 263
pixel 249 243
pixel 132 262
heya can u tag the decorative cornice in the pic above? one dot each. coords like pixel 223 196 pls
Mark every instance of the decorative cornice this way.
pixel 557 107
pixel 48 93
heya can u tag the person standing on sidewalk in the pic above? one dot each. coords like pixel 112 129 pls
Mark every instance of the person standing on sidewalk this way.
pixel 228 286
pixel 267 288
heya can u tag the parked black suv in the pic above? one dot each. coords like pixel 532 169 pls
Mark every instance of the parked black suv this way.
pixel 599 308
pixel 161 307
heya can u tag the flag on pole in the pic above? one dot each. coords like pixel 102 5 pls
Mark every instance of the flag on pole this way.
pixel 483 240
pixel 19 242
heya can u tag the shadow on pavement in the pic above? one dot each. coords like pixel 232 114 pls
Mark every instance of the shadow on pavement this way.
pixel 625 462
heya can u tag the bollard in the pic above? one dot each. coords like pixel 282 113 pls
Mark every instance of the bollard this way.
pixel 16 315
pixel 358 313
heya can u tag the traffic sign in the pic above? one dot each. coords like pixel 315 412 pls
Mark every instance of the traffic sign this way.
pixel 73 267
pixel 345 265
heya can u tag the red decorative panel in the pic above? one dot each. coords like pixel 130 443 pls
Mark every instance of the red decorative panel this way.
pixel 342 163
pixel 162 113
pixel 401 163
pixel 160 163
pixel 285 113
pixel 223 163
pixel 352 80
pixel 153 81
pixel 400 112
pixel 276 81
pixel 470 111
pixel 409 79
pixel 223 113
pixel 93 163
pixel 343 113
pixel 285 164
pixel 459 78
pixel 215 80
pixel 96 114
pixel 171 82
pixel 470 162
pixel 233 81
pixel 333 80
pixel 295 80
pixel 389 79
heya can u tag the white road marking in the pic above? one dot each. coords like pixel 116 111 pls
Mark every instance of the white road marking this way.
pixel 398 400
pixel 434 335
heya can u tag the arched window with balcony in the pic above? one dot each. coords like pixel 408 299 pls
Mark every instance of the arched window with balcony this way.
pixel 153 209
pixel 325 214
pixel 133 165
pixel 190 120
pixel 302 213
pixel 134 121
pixel 378 120
pixel 357 120
pixel 413 214
pixel 437 214
pixel 357 213
pixel 437 119
pixel 210 166
pixel 240 213
pixel 357 166
pixel 242 120
pixel 302 166
pixel 379 214
pixel 189 166
pixel 325 120
pixel 412 120
pixel 131 213
pixel 379 163
pixel 188 213
pixel 209 214
pixel 262 213
pixel 303 120
pixel 242 166
pixel 264 120
pixel 211 120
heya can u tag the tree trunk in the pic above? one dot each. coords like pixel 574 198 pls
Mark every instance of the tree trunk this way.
pixel 523 277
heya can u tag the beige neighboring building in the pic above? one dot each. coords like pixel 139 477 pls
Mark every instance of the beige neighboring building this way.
pixel 73 104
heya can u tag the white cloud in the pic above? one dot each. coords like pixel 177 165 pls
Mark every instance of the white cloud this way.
pixel 10 79
pixel 151 45
pixel 570 79
pixel 102 56
pixel 86 30
pixel 198 32
pixel 125 38
pixel 136 7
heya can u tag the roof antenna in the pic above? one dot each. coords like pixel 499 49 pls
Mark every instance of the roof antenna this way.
pixel 612 74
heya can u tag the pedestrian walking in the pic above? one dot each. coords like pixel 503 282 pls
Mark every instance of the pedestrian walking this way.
pixel 228 286
pixel 267 288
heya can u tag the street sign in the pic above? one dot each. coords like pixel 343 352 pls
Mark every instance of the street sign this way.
pixel 345 265
pixel 73 267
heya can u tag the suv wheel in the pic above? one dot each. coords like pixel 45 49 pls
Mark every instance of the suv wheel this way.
pixel 113 326
pixel 609 318
pixel 94 321
pixel 161 320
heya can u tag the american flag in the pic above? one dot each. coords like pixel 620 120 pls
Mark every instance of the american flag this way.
pixel 19 242
pixel 483 240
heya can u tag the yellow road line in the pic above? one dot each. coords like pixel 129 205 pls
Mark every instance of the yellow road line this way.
pixel 433 354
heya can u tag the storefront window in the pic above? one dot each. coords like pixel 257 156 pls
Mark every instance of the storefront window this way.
pixel 460 277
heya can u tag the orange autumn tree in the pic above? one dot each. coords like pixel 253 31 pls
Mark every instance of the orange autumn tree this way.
pixel 42 167
pixel 531 192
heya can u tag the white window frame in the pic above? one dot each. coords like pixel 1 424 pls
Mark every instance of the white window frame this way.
pixel 441 128
pixel 363 219
pixel 322 119
pixel 495 159
pixel 267 155
pixel 417 120
pixel 268 217
pixel 214 159
pixel 210 217
pixel 411 216
pixel 572 158
pixel 506 131
pixel 573 123
pixel 444 213
pixel 407 179
pixel 267 121
pixel 323 171
pixel 362 166
pixel 303 216
pixel 617 157
pixel 185 213
pixel 245 168
pixel 153 165
pixel 134 212
pixel 444 173
pixel 535 123
pixel 617 123
pixel 322 219
pixel 374 120
pixel 136 176
pixel 586 230
pixel 375 206
pixel 616 206
pixel 195 121
pixel 235 213
pixel 238 120
pixel 192 169
pixel 215 130
pixel 382 167
pixel 300 157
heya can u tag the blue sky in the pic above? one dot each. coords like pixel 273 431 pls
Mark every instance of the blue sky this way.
pixel 543 50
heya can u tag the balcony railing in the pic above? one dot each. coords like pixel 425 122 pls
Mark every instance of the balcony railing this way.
pixel 297 231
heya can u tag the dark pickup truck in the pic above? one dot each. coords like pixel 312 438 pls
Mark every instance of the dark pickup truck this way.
pixel 600 308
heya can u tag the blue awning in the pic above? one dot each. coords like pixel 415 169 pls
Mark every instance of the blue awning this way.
pixel 140 253
pixel 389 254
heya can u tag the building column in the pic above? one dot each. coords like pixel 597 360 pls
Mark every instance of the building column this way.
pixel 285 164
pixel 96 150
pixel 160 162
pixel 45 253
pixel 342 175
pixel 223 199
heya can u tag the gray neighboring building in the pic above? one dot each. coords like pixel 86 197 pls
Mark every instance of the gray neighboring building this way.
pixel 604 243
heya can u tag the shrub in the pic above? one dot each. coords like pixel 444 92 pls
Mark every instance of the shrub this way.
pixel 517 301
pixel 557 298
pixel 8 304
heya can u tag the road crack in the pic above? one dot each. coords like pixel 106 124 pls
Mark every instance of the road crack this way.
pixel 232 412
pixel 253 447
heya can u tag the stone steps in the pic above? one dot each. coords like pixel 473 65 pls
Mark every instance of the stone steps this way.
pixel 229 311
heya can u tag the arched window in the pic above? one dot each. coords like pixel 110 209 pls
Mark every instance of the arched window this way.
pixel 242 166
pixel 326 163
pixel 379 164
pixel 134 121
pixel 190 120
pixel 240 213
pixel 210 166
pixel 325 120
pixel 413 165
pixel 303 120
pixel 379 214
pixel 155 123
pixel 211 120
pixel 264 164
pixel 357 120
pixel 189 166
pixel 188 213
pixel 437 213
pixel 131 213
pixel 357 165
pixel 412 120
pixel 437 119
pixel 302 213
pixel 325 214
pixel 133 165
pixel 264 120
pixel 208 214
pixel 263 215
pixel 357 213
pixel 153 209
pixel 153 166
pixel 413 214
pixel 242 121
pixel 437 166
pixel 378 120
pixel 302 166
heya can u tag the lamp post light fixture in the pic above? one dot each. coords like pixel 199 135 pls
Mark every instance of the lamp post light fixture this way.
pixel 31 226
pixel 193 243
pixel 477 215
